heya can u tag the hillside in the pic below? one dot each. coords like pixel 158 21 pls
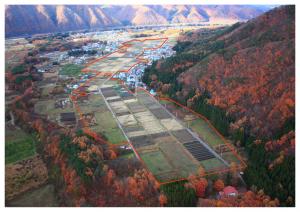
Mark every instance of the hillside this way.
pixel 31 19
pixel 242 78
pixel 247 69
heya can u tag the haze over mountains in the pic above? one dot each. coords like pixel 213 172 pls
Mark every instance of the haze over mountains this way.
pixel 31 19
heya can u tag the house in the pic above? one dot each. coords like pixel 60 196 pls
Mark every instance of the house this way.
pixel 229 191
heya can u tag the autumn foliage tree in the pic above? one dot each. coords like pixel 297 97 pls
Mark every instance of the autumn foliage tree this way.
pixel 199 184
pixel 219 185
pixel 247 199
pixel 162 200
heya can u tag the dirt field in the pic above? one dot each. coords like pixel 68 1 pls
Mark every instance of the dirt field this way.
pixel 23 176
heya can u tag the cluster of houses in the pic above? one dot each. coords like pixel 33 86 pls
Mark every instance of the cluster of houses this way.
pixel 77 83
pixel 134 76
pixel 163 52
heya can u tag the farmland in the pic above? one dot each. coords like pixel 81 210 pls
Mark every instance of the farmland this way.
pixel 71 70
pixel 156 135
pixel 206 132
pixel 165 144
pixel 18 146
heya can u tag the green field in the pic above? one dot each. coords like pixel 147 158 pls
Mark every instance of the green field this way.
pixel 205 132
pixel 107 125
pixel 71 70
pixel 18 146
pixel 212 164
pixel 230 157
pixel 128 155
pixel 156 162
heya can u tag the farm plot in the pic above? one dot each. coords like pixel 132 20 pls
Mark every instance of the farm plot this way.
pixel 171 124
pixel 136 107
pixel 157 163
pixel 108 128
pixel 198 151
pixel 49 107
pixel 203 130
pixel 149 122
pixel 157 136
pixel 183 135
pixel 213 164
pixel 182 162
pixel 111 64
pixel 160 114
pixel 152 131
pixel 94 103
pixel 18 145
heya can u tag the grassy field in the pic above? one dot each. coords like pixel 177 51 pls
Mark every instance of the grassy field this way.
pixel 230 157
pixel 43 196
pixel 156 162
pixel 47 107
pixel 180 160
pixel 46 90
pixel 213 163
pixel 18 146
pixel 107 125
pixel 71 70
pixel 206 133
pixel 128 155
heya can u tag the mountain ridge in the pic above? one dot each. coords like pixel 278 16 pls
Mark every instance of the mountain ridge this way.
pixel 34 19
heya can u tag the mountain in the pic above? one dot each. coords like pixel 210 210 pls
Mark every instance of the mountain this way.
pixel 242 78
pixel 31 19
pixel 246 70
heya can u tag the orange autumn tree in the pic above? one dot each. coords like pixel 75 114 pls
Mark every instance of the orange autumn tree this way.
pixel 248 199
pixel 201 187
pixel 162 200
pixel 141 184
pixel 219 185
pixel 199 184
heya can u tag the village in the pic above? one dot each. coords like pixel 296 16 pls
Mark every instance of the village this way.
pixel 86 78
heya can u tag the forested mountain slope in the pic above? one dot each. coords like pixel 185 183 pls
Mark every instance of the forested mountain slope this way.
pixel 247 69
pixel 242 78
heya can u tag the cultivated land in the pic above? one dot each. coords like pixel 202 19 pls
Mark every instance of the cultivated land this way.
pixel 18 146
pixel 205 131
pixel 170 141
pixel 162 141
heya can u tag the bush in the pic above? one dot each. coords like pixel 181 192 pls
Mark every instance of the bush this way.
pixel 20 69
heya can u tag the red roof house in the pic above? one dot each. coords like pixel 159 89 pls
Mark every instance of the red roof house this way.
pixel 229 191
